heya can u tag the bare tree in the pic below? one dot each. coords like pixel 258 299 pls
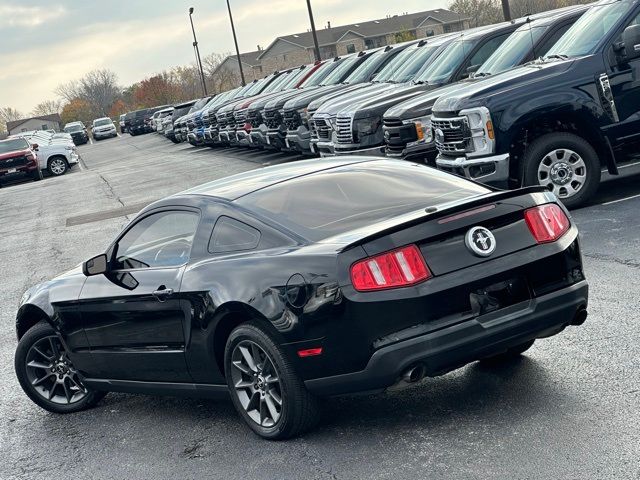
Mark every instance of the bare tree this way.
pixel 219 77
pixel 47 107
pixel 8 114
pixel 99 88
pixel 69 90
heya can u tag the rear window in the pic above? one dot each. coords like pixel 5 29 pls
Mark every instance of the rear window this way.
pixel 342 199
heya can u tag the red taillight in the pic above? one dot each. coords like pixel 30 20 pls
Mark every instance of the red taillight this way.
pixel 547 222
pixel 310 352
pixel 397 268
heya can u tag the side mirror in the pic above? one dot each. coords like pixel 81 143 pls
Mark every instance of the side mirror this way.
pixel 631 40
pixel 35 147
pixel 95 266
pixel 471 70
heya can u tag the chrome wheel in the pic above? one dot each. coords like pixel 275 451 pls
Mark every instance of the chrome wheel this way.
pixel 52 374
pixel 257 383
pixel 57 166
pixel 562 171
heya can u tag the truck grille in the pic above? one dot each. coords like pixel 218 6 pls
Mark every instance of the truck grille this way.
pixel 292 119
pixel 254 118
pixel 322 129
pixel 454 134
pixel 272 119
pixel 312 126
pixel 190 124
pixel 241 119
pixel 206 119
pixel 14 162
pixel 344 134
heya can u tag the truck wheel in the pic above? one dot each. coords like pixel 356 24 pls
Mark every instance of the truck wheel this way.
pixel 265 389
pixel 57 166
pixel 37 175
pixel 566 164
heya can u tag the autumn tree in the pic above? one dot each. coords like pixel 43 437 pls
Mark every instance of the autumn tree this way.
pixel 157 90
pixel 98 88
pixel 8 114
pixel 76 110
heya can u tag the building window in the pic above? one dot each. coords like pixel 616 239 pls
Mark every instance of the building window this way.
pixel 430 33
pixel 45 126
pixel 447 29
pixel 351 48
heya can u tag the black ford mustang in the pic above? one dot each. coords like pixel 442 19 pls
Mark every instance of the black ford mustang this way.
pixel 316 278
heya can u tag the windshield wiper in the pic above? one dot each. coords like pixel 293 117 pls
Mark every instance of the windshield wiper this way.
pixel 482 74
pixel 421 82
pixel 556 56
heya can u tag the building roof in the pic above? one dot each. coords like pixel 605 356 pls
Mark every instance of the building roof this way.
pixel 54 117
pixel 370 28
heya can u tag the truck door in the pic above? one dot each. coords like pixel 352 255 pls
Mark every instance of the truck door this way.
pixel 624 81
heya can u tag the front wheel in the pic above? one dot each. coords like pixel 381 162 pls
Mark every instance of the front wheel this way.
pixel 36 176
pixel 47 375
pixel 57 166
pixel 509 355
pixel 265 389
pixel 564 163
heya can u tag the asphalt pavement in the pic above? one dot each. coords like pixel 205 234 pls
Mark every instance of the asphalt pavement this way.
pixel 569 408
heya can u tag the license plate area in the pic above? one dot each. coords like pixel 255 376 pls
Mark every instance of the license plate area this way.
pixel 499 295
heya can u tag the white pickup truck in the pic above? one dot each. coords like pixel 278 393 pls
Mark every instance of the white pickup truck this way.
pixel 56 153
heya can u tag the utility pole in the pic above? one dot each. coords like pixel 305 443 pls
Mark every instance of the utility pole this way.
pixel 195 45
pixel 313 32
pixel 235 40
pixel 506 10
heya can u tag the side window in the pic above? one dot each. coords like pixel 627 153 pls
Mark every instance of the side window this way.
pixel 485 51
pixel 230 235
pixel 542 50
pixel 160 240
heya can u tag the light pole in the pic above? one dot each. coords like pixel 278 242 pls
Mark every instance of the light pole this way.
pixel 235 40
pixel 195 45
pixel 313 32
pixel 506 10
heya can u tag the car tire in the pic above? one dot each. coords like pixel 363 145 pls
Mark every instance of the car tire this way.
pixel 174 140
pixel 57 166
pixel 269 395
pixel 571 155
pixel 510 354
pixel 39 348
pixel 36 176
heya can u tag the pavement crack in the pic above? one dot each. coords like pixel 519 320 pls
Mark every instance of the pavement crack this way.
pixel 113 193
pixel 611 258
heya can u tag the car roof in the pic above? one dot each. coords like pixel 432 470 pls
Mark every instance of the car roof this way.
pixel 236 186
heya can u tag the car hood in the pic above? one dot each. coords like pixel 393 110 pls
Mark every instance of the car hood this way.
pixel 318 102
pixel 352 96
pixel 281 100
pixel 524 77
pixel 16 153
pixel 421 104
pixel 305 98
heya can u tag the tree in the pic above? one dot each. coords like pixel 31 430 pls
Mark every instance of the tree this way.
pixel 404 35
pixel 8 114
pixel 219 78
pixel 99 88
pixel 77 109
pixel 47 107
pixel 156 90
pixel 479 12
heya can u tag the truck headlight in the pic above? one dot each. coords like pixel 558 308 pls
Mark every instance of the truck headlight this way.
pixel 424 132
pixel 366 126
pixel 482 135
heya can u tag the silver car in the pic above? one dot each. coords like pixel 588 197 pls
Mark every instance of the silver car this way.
pixel 103 128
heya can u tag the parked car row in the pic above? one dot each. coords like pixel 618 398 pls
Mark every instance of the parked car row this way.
pixel 28 154
pixel 550 99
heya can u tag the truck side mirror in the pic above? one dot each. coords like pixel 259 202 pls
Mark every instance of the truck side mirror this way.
pixel 95 266
pixel 470 71
pixel 631 40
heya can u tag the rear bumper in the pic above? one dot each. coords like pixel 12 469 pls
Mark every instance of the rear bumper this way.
pixel 449 348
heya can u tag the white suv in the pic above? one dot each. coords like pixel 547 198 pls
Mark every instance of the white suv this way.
pixel 103 128
pixel 55 154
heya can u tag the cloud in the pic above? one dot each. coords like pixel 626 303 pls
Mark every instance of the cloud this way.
pixel 20 16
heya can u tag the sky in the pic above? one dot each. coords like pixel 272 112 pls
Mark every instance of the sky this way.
pixel 45 43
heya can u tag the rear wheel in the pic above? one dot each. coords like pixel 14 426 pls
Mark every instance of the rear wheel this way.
pixel 564 163
pixel 47 375
pixel 265 389
pixel 511 354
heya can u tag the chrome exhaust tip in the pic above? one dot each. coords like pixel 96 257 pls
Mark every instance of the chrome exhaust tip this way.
pixel 414 373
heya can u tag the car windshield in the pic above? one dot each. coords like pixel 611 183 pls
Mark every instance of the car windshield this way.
pixel 373 191
pixel 392 67
pixel 320 74
pixel 101 122
pixel 414 64
pixel 447 62
pixel 277 83
pixel 512 51
pixel 586 34
pixel 339 73
pixel 367 69
pixel 73 128
pixel 295 77
pixel 13 144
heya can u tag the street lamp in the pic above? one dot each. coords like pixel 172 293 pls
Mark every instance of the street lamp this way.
pixel 313 32
pixel 195 46
pixel 235 40
pixel 506 10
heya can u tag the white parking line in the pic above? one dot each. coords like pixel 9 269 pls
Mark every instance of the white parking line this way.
pixel 621 200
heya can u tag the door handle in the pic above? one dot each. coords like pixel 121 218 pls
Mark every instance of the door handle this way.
pixel 162 293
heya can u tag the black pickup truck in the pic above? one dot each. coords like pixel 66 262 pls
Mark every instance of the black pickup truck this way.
pixel 555 122
pixel 407 125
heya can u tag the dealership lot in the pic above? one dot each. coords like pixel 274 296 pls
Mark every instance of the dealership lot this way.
pixel 568 409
